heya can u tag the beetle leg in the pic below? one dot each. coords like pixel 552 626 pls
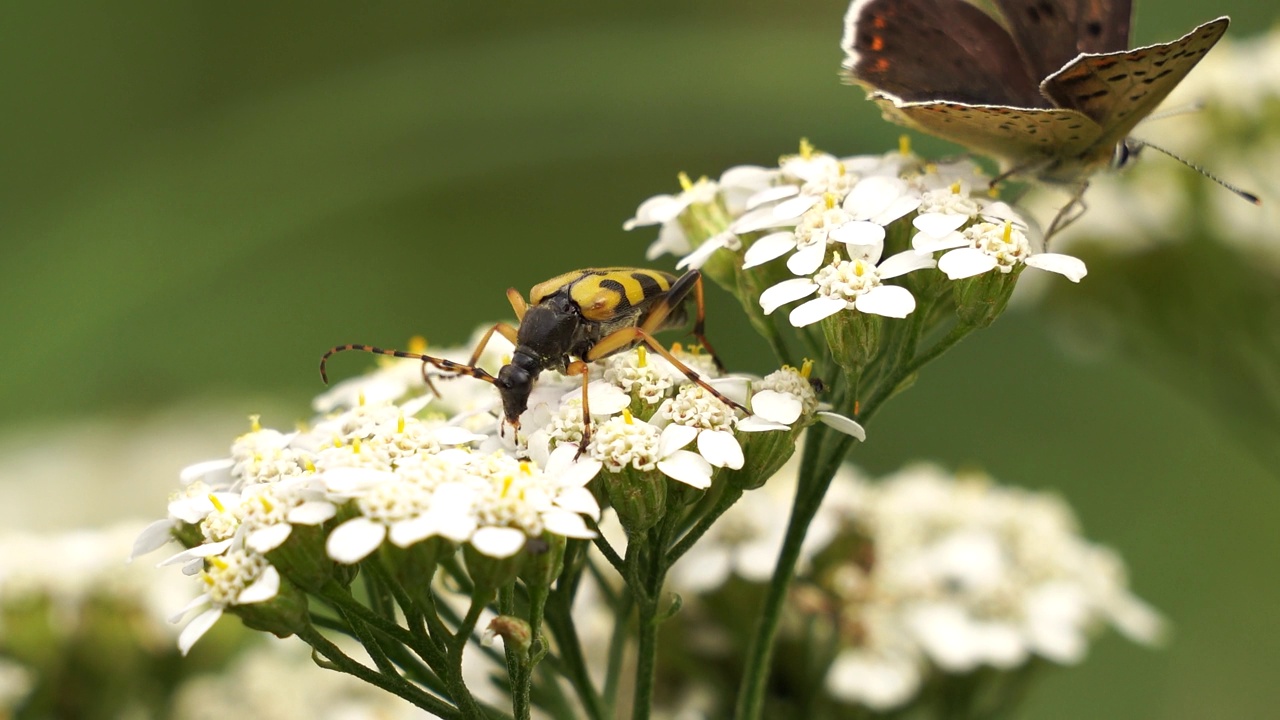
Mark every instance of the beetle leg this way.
pixel 518 304
pixel 448 365
pixel 620 339
pixel 577 367
pixel 679 292
pixel 503 329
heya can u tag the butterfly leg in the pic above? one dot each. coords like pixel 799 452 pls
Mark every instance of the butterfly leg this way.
pixel 1068 214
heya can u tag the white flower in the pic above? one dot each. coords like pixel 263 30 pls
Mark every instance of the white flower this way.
pixel 634 373
pixel 785 396
pixel 625 441
pixel 237 578
pixel 695 414
pixel 850 285
pixel 991 246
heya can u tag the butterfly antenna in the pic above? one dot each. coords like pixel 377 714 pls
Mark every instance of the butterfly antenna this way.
pixel 1187 109
pixel 1139 144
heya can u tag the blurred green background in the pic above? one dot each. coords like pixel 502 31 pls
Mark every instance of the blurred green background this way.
pixel 199 198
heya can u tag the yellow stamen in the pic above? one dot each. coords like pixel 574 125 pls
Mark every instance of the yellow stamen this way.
pixel 806 148
pixel 955 188
pixel 218 563
pixel 842 171
pixel 417 344
pixel 265 503
pixel 217 504
pixel 400 424
pixel 904 144
pixel 507 482
pixel 685 183
pixel 859 267
pixel 310 466
pixel 677 347
pixel 207 578
pixel 355 446
pixel 829 199
pixel 1008 232
pixel 806 368
pixel 642 356
pixel 337 441
pixel 254 425
pixel 360 402
pixel 525 468
pixel 506 359
pixel 627 418
pixel 257 457
pixel 931 168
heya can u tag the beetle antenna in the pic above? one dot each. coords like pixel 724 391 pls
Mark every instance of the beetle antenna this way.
pixel 1139 144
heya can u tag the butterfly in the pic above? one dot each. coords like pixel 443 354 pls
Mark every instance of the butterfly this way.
pixel 1049 87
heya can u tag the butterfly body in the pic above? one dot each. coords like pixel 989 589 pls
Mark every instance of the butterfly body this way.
pixel 1052 92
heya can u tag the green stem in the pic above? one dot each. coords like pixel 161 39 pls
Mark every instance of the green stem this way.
pixel 617 646
pixel 560 622
pixel 394 684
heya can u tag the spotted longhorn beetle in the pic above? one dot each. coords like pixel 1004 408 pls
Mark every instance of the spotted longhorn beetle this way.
pixel 586 314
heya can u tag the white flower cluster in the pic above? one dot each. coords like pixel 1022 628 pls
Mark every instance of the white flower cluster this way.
pixel 830 215
pixel 947 574
pixel 403 472
pixel 959 573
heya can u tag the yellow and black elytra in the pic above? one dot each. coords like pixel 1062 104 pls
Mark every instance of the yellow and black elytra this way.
pixel 575 319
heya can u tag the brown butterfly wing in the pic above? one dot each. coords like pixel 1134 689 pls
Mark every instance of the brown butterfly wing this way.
pixel 1117 90
pixel 1023 138
pixel 1051 33
pixel 919 50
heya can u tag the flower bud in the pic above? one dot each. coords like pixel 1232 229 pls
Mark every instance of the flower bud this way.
pixel 639 497
pixel 515 633
pixel 852 337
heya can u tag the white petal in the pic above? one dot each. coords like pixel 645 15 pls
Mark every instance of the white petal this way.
pixel 153 537
pixel 351 481
pixel 454 526
pixel 199 551
pixel 199 601
pixel 354 539
pixel 807 259
pixel 872 196
pixel 784 292
pixel 905 262
pixel 759 219
pixel 196 629
pixel 657 209
pixel 687 467
pixel 779 407
pixel 887 300
pixel 264 588
pixel 922 242
pixel 674 437
pixel 843 424
pixel 1071 268
pixel 700 254
pixel 569 472
pixel 753 423
pixel 604 398
pixel 452 435
pixel 404 533
pixel 746 176
pixel 900 206
pixel 965 262
pixel 568 524
pixel 266 539
pixel 671 239
pixel 793 208
pixel 498 542
pixel 773 245
pixel 781 192
pixel 191 473
pixel 579 500
pixel 312 512
pixel 815 310
pixel 939 224
pixel 859 233
pixel 720 448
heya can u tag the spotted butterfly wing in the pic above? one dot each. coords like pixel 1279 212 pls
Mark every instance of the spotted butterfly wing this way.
pixel 1060 133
